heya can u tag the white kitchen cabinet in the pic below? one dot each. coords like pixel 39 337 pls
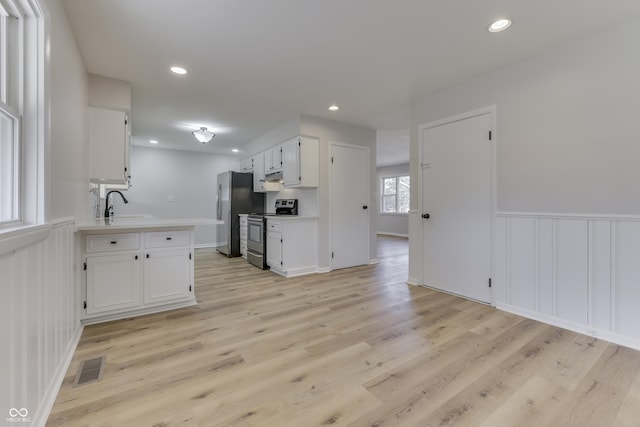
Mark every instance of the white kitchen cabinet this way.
pixel 274 250
pixel 300 162
pixel 273 159
pixel 109 145
pixel 247 165
pixel 259 183
pixel 243 235
pixel 292 244
pixel 167 275
pixel 134 273
pixel 114 282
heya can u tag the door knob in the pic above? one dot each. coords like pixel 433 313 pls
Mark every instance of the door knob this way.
pixel 426 216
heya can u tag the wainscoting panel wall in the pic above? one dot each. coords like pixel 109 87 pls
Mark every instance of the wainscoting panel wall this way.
pixel 574 271
pixel 39 311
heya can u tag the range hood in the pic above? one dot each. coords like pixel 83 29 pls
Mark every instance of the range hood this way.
pixel 273 176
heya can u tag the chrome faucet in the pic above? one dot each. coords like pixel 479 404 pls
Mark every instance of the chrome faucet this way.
pixel 109 209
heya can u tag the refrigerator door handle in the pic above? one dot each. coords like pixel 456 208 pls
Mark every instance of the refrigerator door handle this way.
pixel 218 204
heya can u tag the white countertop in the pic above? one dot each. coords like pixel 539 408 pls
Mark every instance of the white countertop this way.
pixel 144 222
pixel 290 217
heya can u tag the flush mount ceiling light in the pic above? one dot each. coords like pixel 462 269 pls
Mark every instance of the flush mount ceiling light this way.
pixel 203 135
pixel 334 107
pixel 178 70
pixel 153 141
pixel 499 25
pixel 235 150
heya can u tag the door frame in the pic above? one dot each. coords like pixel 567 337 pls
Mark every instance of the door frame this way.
pixel 366 150
pixel 492 111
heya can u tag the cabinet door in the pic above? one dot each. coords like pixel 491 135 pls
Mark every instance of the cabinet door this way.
pixel 247 164
pixel 167 275
pixel 108 146
pixel 276 157
pixel 258 173
pixel 291 162
pixel 274 250
pixel 113 282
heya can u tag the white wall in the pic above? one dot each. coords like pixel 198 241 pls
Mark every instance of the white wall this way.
pixel 69 121
pixel 109 93
pixel 567 126
pixel 332 131
pixel 568 198
pixel 190 177
pixel 394 224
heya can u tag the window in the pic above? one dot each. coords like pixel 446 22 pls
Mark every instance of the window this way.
pixel 395 194
pixel 9 119
pixel 22 113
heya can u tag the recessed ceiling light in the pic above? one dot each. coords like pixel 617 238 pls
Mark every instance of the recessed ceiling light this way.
pixel 334 108
pixel 235 150
pixel 153 141
pixel 179 70
pixel 499 25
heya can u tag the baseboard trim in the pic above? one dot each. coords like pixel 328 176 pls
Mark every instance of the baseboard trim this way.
pixel 413 281
pixel 50 395
pixel 373 261
pixel 609 336
pixel 384 233
pixel 206 245
pixel 139 312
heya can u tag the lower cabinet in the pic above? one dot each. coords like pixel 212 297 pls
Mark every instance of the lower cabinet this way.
pixel 137 273
pixel 243 235
pixel 274 250
pixel 292 245
pixel 167 276
pixel 114 282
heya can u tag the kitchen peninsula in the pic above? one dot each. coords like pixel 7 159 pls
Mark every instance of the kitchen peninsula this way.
pixel 136 265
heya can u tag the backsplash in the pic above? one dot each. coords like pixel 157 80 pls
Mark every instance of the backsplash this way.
pixel 307 200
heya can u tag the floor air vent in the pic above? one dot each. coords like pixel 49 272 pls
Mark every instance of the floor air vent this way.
pixel 90 371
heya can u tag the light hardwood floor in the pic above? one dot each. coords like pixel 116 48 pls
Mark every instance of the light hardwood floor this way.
pixel 351 347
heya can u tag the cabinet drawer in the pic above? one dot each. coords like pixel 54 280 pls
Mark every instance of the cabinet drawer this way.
pixel 243 221
pixel 243 234
pixel 164 239
pixel 112 242
pixel 274 226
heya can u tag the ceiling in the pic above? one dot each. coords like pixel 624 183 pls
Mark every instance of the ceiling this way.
pixel 254 64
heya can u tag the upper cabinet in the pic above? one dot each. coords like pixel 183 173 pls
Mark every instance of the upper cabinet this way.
pixel 300 164
pixel 109 144
pixel 247 165
pixel 259 183
pixel 273 159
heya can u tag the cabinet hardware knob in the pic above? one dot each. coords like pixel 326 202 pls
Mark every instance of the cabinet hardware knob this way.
pixel 168 238
pixel 426 216
pixel 113 242
pixel 365 207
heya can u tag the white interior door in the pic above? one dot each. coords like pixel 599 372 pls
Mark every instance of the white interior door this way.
pixel 456 196
pixel 349 205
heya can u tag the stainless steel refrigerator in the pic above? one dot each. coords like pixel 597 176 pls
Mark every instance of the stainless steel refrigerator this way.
pixel 235 196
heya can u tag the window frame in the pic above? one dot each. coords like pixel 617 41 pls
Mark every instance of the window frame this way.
pixel 24 93
pixel 382 193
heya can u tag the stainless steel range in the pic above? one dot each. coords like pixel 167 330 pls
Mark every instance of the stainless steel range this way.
pixel 257 231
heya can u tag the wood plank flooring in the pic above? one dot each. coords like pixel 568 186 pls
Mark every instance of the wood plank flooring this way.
pixel 352 347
